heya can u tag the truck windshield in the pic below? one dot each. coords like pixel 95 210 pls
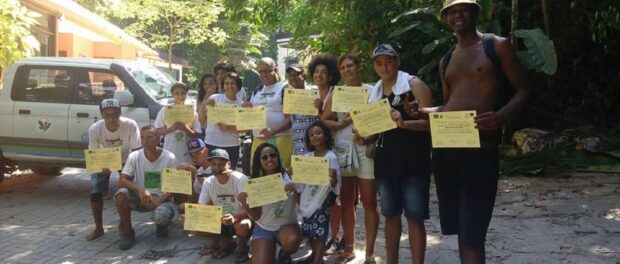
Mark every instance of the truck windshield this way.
pixel 155 82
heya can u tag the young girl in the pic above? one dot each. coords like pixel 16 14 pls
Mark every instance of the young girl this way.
pixel 315 200
pixel 277 222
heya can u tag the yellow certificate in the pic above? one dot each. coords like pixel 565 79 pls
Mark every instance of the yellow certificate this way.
pixel 251 118
pixel 300 101
pixel 310 170
pixel 373 118
pixel 265 190
pixel 102 158
pixel 454 130
pixel 176 181
pixel 221 113
pixel 347 98
pixel 175 113
pixel 203 218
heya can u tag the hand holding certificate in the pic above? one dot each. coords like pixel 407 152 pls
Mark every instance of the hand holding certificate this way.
pixel 251 118
pixel 373 118
pixel 179 113
pixel 265 190
pixel 347 98
pixel 300 101
pixel 203 218
pixel 176 181
pixel 222 113
pixel 310 170
pixel 103 158
pixel 454 130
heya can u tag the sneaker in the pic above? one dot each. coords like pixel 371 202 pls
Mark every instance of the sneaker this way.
pixel 332 247
pixel 284 258
pixel 161 231
pixel 127 241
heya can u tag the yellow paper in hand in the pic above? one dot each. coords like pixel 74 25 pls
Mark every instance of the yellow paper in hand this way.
pixel 373 118
pixel 251 118
pixel 310 170
pixel 176 113
pixel 300 101
pixel 103 158
pixel 455 129
pixel 265 190
pixel 347 98
pixel 176 181
pixel 222 113
pixel 203 218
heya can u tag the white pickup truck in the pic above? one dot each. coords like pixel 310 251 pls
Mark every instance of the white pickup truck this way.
pixel 47 105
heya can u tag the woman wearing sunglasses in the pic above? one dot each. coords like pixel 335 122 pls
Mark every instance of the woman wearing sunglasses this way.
pixel 277 222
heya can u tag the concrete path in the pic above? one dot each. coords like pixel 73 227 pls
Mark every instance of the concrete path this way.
pixel 536 220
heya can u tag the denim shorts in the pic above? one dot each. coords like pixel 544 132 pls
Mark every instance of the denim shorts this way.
pixel 162 215
pixel 408 194
pixel 260 233
pixel 98 181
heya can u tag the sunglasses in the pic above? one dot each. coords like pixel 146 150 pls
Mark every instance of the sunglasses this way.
pixel 269 156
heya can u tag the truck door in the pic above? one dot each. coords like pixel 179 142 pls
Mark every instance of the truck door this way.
pixel 41 95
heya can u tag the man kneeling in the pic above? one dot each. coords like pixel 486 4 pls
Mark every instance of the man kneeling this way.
pixel 222 190
pixel 140 183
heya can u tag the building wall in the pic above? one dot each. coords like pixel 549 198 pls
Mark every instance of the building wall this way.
pixel 82 48
pixel 65 44
pixel 107 50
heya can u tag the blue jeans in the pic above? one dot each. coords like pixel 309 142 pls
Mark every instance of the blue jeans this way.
pixel 408 194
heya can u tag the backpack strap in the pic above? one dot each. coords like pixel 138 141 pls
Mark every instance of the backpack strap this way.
pixel 505 90
pixel 446 59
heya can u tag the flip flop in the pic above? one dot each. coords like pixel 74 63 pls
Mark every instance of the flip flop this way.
pixel 222 253
pixel 205 251
pixel 243 257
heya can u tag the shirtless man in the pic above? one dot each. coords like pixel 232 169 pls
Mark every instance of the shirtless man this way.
pixel 466 179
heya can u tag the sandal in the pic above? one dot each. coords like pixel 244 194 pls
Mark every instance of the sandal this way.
pixel 205 251
pixel 222 253
pixel 243 256
pixel 370 260
pixel 345 258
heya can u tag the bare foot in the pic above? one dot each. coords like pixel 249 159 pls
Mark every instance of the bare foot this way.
pixel 94 235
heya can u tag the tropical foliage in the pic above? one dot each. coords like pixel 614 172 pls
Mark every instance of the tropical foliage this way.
pixel 16 40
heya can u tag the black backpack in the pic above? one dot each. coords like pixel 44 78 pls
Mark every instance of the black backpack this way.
pixel 505 89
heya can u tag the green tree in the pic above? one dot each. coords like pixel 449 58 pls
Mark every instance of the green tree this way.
pixel 166 23
pixel 16 41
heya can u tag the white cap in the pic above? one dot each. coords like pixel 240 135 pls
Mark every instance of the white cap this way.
pixel 110 103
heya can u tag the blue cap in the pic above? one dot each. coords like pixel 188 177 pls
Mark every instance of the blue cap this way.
pixel 218 153
pixel 384 49
pixel 195 144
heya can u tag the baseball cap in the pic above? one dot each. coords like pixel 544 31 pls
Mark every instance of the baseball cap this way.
pixel 384 49
pixel 110 103
pixel 194 145
pixel 448 3
pixel 218 153
pixel 296 67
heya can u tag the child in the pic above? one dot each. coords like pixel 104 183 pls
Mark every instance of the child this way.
pixel 277 222
pixel 176 136
pixel 315 200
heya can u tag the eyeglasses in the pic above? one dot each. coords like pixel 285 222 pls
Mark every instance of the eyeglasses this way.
pixel 269 156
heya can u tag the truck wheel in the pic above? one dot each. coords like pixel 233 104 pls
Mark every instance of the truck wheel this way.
pixel 46 170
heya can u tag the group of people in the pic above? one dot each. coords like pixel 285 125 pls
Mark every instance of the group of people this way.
pixel 396 165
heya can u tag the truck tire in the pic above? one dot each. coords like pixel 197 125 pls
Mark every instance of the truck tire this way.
pixel 46 170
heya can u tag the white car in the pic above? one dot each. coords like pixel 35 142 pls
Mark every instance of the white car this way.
pixel 47 105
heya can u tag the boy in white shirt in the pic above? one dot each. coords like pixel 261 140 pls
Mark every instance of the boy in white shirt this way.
pixel 177 135
pixel 222 190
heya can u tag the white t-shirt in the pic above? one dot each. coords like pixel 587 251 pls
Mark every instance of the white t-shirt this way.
pixel 224 195
pixel 271 97
pixel 276 215
pixel 313 196
pixel 176 142
pixel 127 136
pixel 213 134
pixel 148 174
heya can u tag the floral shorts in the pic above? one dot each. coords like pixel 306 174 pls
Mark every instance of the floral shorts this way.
pixel 317 225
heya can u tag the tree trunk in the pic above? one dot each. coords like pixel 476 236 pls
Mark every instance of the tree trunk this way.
pixel 543 7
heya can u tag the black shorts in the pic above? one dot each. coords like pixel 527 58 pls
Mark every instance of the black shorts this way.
pixel 466 181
